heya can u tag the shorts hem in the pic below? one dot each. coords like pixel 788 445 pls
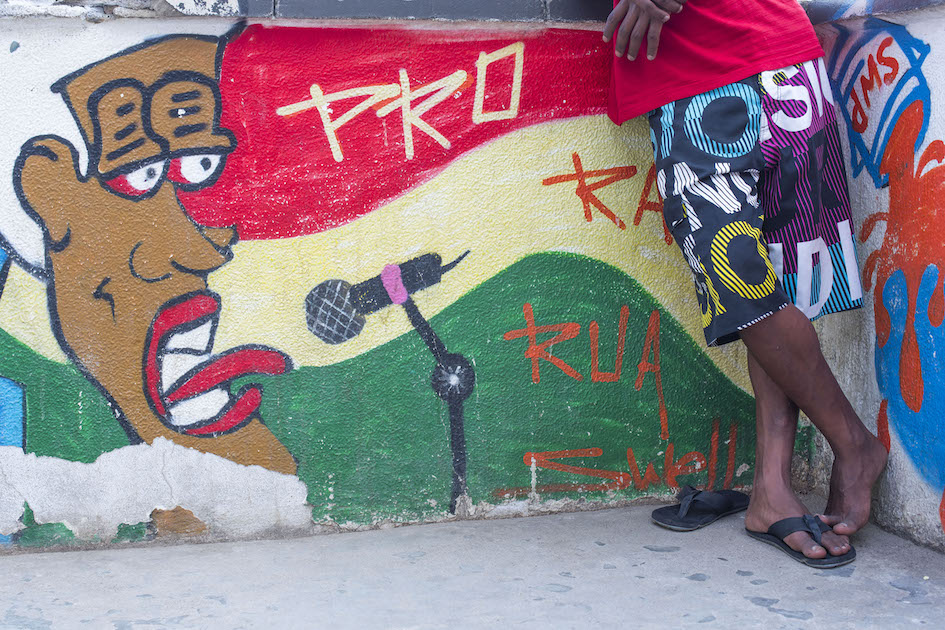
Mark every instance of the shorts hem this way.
pixel 735 335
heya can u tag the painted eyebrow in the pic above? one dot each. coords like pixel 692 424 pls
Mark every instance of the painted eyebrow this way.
pixel 180 97
pixel 186 130
pixel 180 112
pixel 128 148
pixel 123 133
pixel 125 109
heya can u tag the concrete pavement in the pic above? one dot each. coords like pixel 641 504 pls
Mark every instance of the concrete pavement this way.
pixel 576 570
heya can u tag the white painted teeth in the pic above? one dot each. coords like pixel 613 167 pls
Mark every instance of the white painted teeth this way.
pixel 199 408
pixel 183 352
pixel 175 364
pixel 196 339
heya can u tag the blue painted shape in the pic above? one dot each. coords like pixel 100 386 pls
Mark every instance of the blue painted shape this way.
pixel 12 412
pixel 921 433
pixel 846 64
pixel 4 268
pixel 12 408
pixel 826 10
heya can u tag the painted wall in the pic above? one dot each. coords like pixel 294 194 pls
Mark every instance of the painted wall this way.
pixel 297 278
pixel 887 74
pixel 303 277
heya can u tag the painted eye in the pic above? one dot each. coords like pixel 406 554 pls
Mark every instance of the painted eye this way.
pixel 146 177
pixel 195 169
pixel 139 181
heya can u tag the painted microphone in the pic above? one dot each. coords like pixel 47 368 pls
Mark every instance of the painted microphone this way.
pixel 335 310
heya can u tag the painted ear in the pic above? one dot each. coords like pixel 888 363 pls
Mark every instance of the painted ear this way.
pixel 48 185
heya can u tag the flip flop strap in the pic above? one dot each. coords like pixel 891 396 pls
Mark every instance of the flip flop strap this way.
pixel 713 500
pixel 807 523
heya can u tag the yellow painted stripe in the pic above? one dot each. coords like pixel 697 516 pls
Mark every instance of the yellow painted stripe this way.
pixel 491 201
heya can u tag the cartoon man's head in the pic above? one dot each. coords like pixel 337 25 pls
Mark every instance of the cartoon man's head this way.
pixel 128 268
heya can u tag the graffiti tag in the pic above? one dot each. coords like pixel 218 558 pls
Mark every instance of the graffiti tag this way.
pixel 388 98
pixel 877 74
pixel 649 359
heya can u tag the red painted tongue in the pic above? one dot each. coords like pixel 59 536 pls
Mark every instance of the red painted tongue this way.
pixel 228 366
pixel 246 405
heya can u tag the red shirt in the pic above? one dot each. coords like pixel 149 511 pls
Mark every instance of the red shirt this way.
pixel 709 44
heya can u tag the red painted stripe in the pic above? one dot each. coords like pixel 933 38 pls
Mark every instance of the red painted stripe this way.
pixel 941 512
pixel 713 454
pixel 882 425
pixel 283 180
pixel 730 466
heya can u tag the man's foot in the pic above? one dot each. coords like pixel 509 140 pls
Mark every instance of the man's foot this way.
pixel 769 506
pixel 851 485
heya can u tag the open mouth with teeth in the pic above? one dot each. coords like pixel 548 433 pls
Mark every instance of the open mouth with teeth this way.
pixel 186 385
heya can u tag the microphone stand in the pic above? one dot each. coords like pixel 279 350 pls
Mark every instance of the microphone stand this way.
pixel 453 380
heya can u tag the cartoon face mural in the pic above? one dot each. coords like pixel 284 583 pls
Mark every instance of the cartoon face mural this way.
pixel 127 268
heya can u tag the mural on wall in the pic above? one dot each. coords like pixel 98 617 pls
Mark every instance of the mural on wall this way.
pixel 408 271
pixel 877 69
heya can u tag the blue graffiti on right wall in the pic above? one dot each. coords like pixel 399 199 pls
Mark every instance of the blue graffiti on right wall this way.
pixel 826 10
pixel 920 431
pixel 876 70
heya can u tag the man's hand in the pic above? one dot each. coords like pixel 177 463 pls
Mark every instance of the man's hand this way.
pixel 632 19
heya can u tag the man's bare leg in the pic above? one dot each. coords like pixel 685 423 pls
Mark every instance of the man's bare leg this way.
pixel 786 347
pixel 772 498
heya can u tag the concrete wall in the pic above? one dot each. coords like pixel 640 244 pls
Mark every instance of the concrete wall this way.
pixel 887 73
pixel 218 342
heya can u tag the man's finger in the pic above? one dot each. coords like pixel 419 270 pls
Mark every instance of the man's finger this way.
pixel 615 18
pixel 652 10
pixel 626 28
pixel 670 6
pixel 637 35
pixel 653 39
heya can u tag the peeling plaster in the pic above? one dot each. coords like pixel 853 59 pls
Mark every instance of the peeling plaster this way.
pixel 222 8
pixel 127 484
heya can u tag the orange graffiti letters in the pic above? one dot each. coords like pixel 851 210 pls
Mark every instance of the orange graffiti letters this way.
pixel 647 205
pixel 652 345
pixel 872 81
pixel 539 351
pixel 688 464
pixel 585 191
pixel 649 359
pixel 609 377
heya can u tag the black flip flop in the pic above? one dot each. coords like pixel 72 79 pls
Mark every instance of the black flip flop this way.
pixel 812 525
pixel 698 508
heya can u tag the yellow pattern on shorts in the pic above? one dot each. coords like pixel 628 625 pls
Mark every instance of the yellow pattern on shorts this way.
pixel 728 276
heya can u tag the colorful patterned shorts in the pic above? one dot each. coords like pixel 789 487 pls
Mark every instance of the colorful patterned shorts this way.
pixel 755 195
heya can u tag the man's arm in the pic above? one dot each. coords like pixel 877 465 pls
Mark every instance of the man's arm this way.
pixel 632 19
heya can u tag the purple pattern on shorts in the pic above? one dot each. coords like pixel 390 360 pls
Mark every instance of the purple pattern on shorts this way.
pixel 790 149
